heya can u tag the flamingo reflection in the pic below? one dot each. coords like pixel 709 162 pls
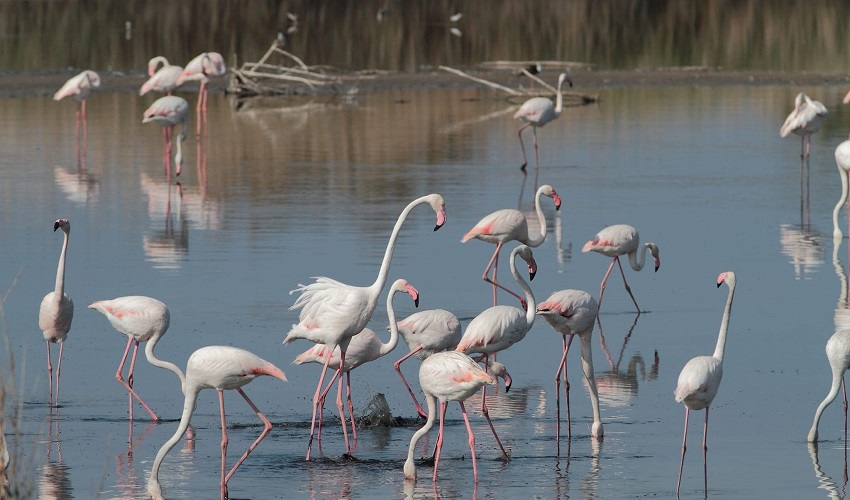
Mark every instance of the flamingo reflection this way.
pixel 825 482
pixel 77 186
pixel 803 246
pixel 54 480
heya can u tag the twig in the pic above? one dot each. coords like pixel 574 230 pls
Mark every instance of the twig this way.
pixel 479 80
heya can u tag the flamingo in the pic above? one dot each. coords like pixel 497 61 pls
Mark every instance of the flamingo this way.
pixel 201 68
pixel 842 161
pixel 838 354
pixel 333 312
pixel 573 312
pixel 617 240
pixel 168 111
pixel 364 347
pixel 141 319
pixel 507 225
pixel 537 112
pixel 806 119
pixel 57 311
pixel 425 333
pixel 221 368
pixel 700 378
pixel 163 80
pixel 500 327
pixel 447 376
pixel 79 87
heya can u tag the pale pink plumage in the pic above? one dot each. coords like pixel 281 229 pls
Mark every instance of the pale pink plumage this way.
pixel 162 80
pixel 617 240
pixel 507 225
pixel 537 112
pixel 573 312
pixel 838 355
pixel 141 319
pixel 333 312
pixel 168 111
pixel 700 378
pixel 447 376
pixel 221 368
pixel 56 312
pixel 80 87
pixel 201 68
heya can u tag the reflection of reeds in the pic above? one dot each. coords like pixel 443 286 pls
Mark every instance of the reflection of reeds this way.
pixel 747 34
pixel 15 469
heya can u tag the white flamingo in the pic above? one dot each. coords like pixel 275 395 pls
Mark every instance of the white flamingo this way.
pixel 57 311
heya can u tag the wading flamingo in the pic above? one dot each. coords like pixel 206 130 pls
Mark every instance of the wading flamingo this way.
pixel 806 119
pixel 700 379
pixel 427 332
pixel 333 312
pixel 500 327
pixel 617 240
pixel 56 312
pixel 573 312
pixel 507 225
pixel 221 368
pixel 202 68
pixel 141 319
pixel 447 376
pixel 838 354
pixel 842 161
pixel 537 112
pixel 162 80
pixel 364 347
pixel 168 111
pixel 79 87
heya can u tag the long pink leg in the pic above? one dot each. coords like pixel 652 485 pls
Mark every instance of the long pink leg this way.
pixel 351 411
pixel 316 402
pixel 49 374
pixel 267 427
pixel 605 280
pixel 202 105
pixel 536 158
pixel 684 447
pixel 341 408
pixel 494 264
pixel 78 118
pixel 223 445
pixel 129 383
pixel 471 441
pixel 59 370
pixel 397 366
pixel 522 145
pixel 844 388
pixel 562 370
pixel 486 413
pixel 322 407
pixel 705 450
pixel 85 125
pixel 439 448
pixel 626 283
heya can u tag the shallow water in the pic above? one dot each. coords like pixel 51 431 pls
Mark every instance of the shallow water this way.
pixel 272 196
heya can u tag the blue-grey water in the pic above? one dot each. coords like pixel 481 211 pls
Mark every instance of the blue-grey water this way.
pixel 272 196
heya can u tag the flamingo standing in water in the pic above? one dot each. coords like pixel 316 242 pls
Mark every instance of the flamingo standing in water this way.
pixel 425 333
pixel 333 312
pixel 573 312
pixel 364 347
pixel 141 319
pixel 79 87
pixel 838 354
pixel 221 368
pixel 168 111
pixel 537 112
pixel 57 312
pixel 842 161
pixel 447 376
pixel 162 80
pixel 806 119
pixel 202 68
pixel 617 240
pixel 700 378
pixel 507 225
pixel 500 327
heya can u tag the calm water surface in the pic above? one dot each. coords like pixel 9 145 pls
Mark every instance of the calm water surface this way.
pixel 271 196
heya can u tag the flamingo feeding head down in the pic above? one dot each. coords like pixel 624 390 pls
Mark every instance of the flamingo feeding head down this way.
pixel 700 378
pixel 333 312
pixel 56 312
pixel 168 111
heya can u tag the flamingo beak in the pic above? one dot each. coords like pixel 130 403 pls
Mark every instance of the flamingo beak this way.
pixel 557 199
pixel 441 218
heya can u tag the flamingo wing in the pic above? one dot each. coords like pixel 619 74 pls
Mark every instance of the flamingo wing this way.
pixel 501 225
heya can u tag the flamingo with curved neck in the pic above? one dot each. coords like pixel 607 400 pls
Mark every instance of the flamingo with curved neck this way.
pixel 333 312
pixel 57 311
pixel 162 80
pixel 617 240
pixel 169 111
pixel 364 347
pixel 537 112
pixel 507 225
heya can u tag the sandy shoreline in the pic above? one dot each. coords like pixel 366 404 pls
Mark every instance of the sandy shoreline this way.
pixel 45 83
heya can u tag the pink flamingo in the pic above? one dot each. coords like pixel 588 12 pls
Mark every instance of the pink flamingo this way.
pixel 57 311
pixel 201 68
pixel 447 376
pixel 806 119
pixel 842 161
pixel 507 225
pixel 141 319
pixel 573 312
pixel 162 80
pixel 79 87
pixel 700 378
pixel 168 111
pixel 500 327
pixel 617 240
pixel 221 368
pixel 537 112
pixel 427 332
pixel 364 347
pixel 333 312
pixel 838 354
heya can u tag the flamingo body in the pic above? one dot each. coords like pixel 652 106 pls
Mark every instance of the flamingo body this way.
pixel 167 112
pixel 806 118
pixel 79 87
pixel 838 355
pixel 434 330
pixel 162 80
pixel 221 368
pixel 537 112
pixel 57 310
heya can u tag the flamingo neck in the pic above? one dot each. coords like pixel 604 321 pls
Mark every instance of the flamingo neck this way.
pixel 724 323
pixel 409 465
pixel 637 264
pixel 60 270
pixel 178 158
pixel 389 346
pixel 531 311
pixel 154 63
pixel 587 368
pixel 185 418
pixel 388 253
pixel 836 232
pixel 152 359
pixel 559 100
pixel 833 393
pixel 541 218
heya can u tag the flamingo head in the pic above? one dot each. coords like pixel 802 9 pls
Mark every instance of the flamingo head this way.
pixel 524 252
pixel 728 277
pixel 402 285
pixel 653 249
pixel 500 371
pixel 550 192
pixel 64 224
pixel 439 206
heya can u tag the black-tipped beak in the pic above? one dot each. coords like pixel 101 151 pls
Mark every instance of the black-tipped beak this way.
pixel 508 383
pixel 718 285
pixel 416 302
pixel 56 226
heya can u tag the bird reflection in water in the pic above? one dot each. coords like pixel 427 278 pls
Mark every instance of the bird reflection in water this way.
pixel 825 482
pixel 589 484
pixel 617 389
pixel 79 187
pixel 804 248
pixel 165 246
pixel 128 484
pixel 54 480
